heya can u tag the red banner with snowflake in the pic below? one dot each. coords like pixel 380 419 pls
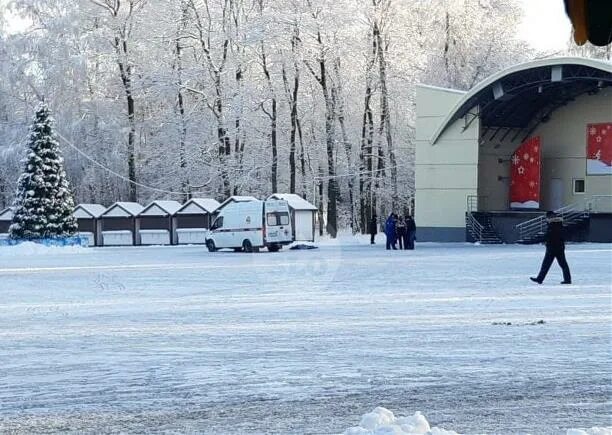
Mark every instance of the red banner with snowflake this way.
pixel 525 175
pixel 599 149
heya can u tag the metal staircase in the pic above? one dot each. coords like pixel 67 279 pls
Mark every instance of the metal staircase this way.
pixel 479 225
pixel 574 216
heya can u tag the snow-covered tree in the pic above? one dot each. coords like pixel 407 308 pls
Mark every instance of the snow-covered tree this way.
pixel 43 204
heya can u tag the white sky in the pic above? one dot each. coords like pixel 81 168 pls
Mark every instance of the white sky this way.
pixel 16 24
pixel 545 25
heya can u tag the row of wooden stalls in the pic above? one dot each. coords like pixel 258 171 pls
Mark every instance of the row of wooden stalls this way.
pixel 166 222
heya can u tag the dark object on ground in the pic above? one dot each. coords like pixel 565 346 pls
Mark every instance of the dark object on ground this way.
pixel 535 280
pixel 302 246
pixel 538 322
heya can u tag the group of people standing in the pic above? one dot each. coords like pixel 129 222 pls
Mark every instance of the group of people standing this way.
pixel 398 229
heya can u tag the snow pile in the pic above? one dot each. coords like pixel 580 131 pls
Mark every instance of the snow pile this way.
pixel 381 421
pixel 591 431
pixel 31 248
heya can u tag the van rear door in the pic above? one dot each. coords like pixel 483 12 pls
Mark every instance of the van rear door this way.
pixel 278 223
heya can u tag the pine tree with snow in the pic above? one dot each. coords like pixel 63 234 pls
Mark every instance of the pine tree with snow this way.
pixel 44 204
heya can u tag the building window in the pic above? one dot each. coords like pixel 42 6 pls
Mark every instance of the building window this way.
pixel 579 186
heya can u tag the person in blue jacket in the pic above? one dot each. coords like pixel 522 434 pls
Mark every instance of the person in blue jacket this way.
pixel 390 231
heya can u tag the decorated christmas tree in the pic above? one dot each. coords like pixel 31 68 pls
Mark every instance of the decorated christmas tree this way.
pixel 43 205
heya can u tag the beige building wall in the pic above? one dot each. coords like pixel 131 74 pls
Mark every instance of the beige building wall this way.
pixel 447 172
pixel 493 175
pixel 563 141
pixel 564 148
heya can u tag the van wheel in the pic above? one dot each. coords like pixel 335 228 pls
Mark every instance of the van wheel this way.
pixel 247 246
pixel 273 248
pixel 211 246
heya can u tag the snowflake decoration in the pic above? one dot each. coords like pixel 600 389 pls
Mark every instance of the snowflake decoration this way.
pixel 526 156
pixel 531 160
pixel 521 170
pixel 592 131
pixel 532 184
pixel 535 149
pixel 598 139
pixel 515 159
pixel 598 155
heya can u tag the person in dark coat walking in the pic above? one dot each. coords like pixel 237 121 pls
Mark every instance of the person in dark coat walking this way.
pixel 410 233
pixel 390 231
pixel 400 231
pixel 555 249
pixel 373 228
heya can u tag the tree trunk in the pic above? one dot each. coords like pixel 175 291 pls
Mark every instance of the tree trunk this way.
pixel 302 159
pixel 217 107
pixel 185 182
pixel 294 113
pixel 292 147
pixel 348 149
pixel 273 119
pixel 274 148
pixel 385 114
pixel 125 70
pixel 292 99
pixel 366 176
pixel 238 144
pixel 332 191
pixel 238 50
pixel 320 204
pixel 322 79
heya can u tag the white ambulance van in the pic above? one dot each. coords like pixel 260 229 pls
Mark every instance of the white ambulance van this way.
pixel 250 225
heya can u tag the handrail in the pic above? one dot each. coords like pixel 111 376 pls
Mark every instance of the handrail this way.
pixel 563 211
pixel 480 232
pixel 538 224
pixel 472 202
pixel 475 227
pixel 535 225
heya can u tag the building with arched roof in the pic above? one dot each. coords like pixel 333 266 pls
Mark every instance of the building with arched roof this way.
pixel 534 137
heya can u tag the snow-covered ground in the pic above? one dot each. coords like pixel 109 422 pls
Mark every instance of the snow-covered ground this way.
pixel 177 339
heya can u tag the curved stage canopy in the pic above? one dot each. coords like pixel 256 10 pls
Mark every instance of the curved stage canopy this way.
pixel 523 96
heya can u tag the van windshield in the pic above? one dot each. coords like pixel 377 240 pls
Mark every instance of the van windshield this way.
pixel 218 223
pixel 277 218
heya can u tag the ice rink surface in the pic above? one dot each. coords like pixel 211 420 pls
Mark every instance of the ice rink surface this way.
pixel 153 339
